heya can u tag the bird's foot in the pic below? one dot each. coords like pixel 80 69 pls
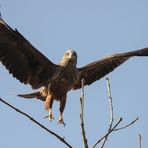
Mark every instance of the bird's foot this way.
pixel 50 116
pixel 61 121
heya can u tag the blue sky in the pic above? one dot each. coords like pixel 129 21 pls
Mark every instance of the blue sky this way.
pixel 94 29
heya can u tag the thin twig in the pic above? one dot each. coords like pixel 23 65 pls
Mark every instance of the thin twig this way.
pixel 82 97
pixel 110 103
pixel 36 122
pixel 111 114
pixel 140 141
pixel 106 135
pixel 127 125
pixel 82 114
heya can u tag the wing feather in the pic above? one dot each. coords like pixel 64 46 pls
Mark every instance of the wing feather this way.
pixel 22 60
pixel 98 69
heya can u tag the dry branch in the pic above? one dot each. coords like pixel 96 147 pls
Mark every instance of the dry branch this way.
pixel 123 127
pixel 37 123
pixel 110 100
pixel 111 114
pixel 111 128
pixel 82 115
pixel 107 134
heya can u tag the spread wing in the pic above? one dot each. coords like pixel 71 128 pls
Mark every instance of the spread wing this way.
pixel 96 70
pixel 22 60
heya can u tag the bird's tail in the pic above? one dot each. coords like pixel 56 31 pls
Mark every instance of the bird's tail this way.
pixel 29 96
pixel 41 95
pixel 36 95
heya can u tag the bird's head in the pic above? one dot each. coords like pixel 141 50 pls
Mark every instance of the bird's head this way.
pixel 70 57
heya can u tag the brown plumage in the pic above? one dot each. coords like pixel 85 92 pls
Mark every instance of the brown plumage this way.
pixel 30 66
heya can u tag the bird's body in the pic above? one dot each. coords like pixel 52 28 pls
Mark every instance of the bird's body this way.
pixel 62 81
pixel 59 85
pixel 30 66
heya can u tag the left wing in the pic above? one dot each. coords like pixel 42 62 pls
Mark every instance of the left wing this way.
pixel 96 70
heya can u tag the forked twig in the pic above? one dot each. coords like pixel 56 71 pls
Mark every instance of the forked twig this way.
pixel 112 128
pixel 107 134
pixel 82 114
pixel 123 127
pixel 111 114
pixel 37 123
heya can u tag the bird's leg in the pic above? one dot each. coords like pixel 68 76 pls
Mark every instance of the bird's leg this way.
pixel 48 106
pixel 62 107
pixel 50 116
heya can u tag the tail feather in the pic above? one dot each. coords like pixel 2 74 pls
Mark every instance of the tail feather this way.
pixel 29 96
pixel 33 95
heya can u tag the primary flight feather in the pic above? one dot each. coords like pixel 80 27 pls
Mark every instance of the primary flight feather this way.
pixel 30 66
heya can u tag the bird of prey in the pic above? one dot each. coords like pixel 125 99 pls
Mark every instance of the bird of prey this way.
pixel 30 66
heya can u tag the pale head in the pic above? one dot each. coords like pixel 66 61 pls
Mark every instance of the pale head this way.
pixel 70 56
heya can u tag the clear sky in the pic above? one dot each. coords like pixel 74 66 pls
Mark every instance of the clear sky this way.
pixel 94 29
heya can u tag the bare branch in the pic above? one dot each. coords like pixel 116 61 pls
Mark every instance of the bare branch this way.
pixel 107 134
pixel 112 128
pixel 110 103
pixel 82 97
pixel 127 125
pixel 140 141
pixel 111 114
pixel 82 114
pixel 37 123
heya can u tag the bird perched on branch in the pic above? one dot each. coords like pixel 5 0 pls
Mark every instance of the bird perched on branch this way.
pixel 30 66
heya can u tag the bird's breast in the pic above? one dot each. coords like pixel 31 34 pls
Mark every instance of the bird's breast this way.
pixel 62 82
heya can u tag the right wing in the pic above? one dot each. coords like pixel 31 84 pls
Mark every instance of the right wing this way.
pixel 22 60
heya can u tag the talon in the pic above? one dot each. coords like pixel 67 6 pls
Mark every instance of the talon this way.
pixel 50 116
pixel 61 121
pixel 46 116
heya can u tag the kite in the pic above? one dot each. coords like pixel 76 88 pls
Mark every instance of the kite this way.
pixel 30 66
